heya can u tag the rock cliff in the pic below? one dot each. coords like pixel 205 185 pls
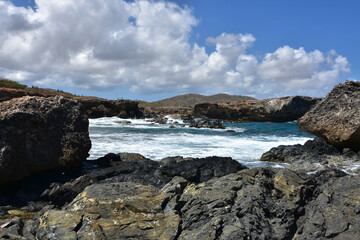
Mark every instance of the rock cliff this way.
pixel 336 118
pixel 282 109
pixel 38 134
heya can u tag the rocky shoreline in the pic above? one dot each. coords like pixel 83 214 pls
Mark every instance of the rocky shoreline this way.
pixel 127 196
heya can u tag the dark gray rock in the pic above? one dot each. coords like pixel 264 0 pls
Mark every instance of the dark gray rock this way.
pixel 334 212
pixel 336 118
pixel 314 155
pixel 38 134
pixel 207 124
pixel 127 167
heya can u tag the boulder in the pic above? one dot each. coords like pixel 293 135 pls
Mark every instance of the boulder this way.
pixel 38 134
pixel 282 109
pixel 336 118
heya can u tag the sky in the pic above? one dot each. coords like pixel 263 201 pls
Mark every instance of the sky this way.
pixel 154 49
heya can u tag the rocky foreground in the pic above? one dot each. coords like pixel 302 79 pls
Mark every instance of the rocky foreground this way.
pixel 127 196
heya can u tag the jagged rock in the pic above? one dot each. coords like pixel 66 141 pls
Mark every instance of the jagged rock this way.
pixel 249 204
pixel 38 134
pixel 282 109
pixel 334 212
pixel 126 167
pixel 336 118
pixel 314 155
pixel 207 124
pixel 112 211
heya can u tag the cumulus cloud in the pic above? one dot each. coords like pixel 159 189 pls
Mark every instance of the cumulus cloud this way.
pixel 145 44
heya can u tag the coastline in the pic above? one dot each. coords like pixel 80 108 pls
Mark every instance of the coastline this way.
pixel 127 195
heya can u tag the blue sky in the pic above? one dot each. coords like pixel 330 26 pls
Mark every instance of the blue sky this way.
pixel 155 49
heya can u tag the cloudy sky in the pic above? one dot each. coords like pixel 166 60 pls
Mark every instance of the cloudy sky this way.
pixel 148 49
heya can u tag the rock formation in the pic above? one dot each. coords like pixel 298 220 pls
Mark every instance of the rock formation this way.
pixel 314 155
pixel 336 118
pixel 38 134
pixel 282 109
pixel 96 108
pixel 262 203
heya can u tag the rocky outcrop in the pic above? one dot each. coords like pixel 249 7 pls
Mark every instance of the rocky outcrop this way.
pixel 126 167
pixel 250 204
pixel 282 109
pixel 336 118
pixel 174 111
pixel 206 124
pixel 314 155
pixel 8 93
pixel 38 134
pixel 96 108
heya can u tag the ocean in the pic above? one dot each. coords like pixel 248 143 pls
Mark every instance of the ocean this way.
pixel 156 141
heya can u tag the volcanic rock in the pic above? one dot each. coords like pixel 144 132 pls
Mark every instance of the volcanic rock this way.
pixel 314 155
pixel 38 134
pixel 96 108
pixel 282 109
pixel 336 118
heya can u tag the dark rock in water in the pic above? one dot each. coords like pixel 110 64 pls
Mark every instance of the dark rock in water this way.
pixel 38 134
pixel 207 124
pixel 314 155
pixel 123 122
pixel 172 126
pixel 282 109
pixel 336 118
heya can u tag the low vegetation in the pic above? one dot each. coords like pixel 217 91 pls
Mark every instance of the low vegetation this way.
pixel 5 83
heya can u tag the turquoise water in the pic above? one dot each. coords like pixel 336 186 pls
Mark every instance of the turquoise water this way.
pixel 157 141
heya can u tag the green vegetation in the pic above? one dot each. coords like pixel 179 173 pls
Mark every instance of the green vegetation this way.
pixel 5 83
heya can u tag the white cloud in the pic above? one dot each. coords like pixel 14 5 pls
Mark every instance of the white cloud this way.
pixel 145 44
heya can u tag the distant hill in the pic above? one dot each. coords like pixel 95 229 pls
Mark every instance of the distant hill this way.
pixel 193 99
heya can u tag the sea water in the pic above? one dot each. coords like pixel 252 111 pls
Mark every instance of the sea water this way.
pixel 156 141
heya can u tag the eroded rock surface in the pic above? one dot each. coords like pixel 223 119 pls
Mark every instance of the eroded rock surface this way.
pixel 282 109
pixel 314 155
pixel 263 203
pixel 38 134
pixel 336 118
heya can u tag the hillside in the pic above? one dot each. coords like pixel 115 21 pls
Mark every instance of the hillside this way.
pixel 193 99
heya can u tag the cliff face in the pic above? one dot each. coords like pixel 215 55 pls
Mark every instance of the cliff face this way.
pixel 337 117
pixel 93 106
pixel 96 108
pixel 38 134
pixel 282 109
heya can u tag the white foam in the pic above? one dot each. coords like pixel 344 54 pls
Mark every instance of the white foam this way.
pixel 184 142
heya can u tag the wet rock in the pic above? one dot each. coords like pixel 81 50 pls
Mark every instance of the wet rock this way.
pixel 336 118
pixel 38 134
pixel 282 109
pixel 207 124
pixel 314 155
pixel 123 122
